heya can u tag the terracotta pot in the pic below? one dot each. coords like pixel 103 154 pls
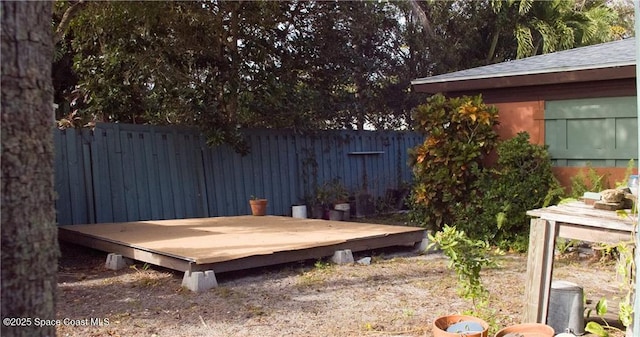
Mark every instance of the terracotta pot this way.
pixel 258 206
pixel 527 330
pixel 441 324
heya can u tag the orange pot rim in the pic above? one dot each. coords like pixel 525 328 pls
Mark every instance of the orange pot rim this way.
pixel 443 322
pixel 527 328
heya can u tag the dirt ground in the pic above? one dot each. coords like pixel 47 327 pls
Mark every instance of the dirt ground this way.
pixel 399 294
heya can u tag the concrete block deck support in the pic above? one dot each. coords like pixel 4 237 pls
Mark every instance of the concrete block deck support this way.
pixel 198 281
pixel 422 247
pixel 342 256
pixel 115 262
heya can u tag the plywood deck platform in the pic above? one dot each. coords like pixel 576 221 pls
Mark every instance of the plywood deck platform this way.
pixel 233 243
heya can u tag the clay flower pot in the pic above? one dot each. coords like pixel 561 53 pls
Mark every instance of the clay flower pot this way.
pixel 459 325
pixel 258 206
pixel 527 330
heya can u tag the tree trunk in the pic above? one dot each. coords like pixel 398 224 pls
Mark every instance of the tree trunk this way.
pixel 29 233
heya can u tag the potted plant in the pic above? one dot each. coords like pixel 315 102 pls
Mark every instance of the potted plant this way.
pixel 460 325
pixel 258 206
pixel 327 196
pixel 467 257
pixel 339 200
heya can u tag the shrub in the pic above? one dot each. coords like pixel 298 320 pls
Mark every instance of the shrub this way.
pixel 459 133
pixel 467 257
pixel 590 181
pixel 522 180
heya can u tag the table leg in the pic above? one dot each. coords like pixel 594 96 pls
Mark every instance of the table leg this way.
pixel 542 241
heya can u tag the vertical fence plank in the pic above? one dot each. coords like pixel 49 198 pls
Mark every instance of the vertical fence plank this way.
pixel 101 178
pixel 274 179
pixel 188 177
pixel 184 163
pixel 77 189
pixel 129 178
pixel 62 183
pixel 117 174
pixel 141 175
pixel 242 181
pixel 164 175
pixel 174 158
pixel 294 195
pixel 89 194
pixel 151 174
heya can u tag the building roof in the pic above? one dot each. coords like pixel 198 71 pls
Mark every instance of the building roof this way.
pixel 609 60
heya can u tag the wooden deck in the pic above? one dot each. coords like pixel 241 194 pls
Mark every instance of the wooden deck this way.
pixel 226 244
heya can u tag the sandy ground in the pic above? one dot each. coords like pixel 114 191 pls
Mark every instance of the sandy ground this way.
pixel 399 294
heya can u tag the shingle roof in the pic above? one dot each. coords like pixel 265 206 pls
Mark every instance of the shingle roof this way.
pixel 604 55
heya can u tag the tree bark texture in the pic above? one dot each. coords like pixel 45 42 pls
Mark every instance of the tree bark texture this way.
pixel 29 233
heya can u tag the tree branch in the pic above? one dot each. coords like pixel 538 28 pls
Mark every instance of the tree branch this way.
pixel 422 16
pixel 66 20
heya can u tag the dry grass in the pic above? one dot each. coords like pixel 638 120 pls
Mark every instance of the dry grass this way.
pixel 399 294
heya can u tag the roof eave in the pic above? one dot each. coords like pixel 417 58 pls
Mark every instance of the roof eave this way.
pixel 478 84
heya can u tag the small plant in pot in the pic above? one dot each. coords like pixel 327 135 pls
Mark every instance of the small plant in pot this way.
pixel 258 206
pixel 326 197
pixel 339 200
pixel 466 257
pixel 460 325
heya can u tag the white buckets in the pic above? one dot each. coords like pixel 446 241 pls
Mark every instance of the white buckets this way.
pixel 299 212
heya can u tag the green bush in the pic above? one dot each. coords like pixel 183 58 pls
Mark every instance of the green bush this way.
pixel 459 134
pixel 590 181
pixel 522 180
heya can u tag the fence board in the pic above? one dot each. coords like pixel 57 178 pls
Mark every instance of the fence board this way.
pixel 62 183
pixel 77 190
pixel 88 176
pixel 164 175
pixel 100 169
pixel 152 179
pixel 116 174
pixel 123 172
pixel 129 179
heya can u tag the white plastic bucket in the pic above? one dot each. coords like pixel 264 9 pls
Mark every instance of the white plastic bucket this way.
pixel 299 212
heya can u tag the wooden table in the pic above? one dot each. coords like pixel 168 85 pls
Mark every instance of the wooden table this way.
pixel 573 220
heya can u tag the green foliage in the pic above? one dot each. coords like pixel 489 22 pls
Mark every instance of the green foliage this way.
pixel 563 245
pixel 589 181
pixel 627 173
pixel 322 265
pixel 221 65
pixel 467 257
pixel 596 329
pixel 626 270
pixel 331 192
pixel 453 186
pixel 522 180
pixel 541 27
pixel 459 134
pixel 304 65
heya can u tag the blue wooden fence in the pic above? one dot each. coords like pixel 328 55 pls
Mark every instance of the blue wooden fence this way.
pixel 121 172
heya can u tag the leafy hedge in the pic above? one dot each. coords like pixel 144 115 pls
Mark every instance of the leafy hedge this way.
pixel 459 134
pixel 522 180
pixel 453 186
